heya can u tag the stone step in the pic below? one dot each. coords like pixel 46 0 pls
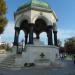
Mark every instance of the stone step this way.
pixel 7 59
pixel 10 66
pixel 10 60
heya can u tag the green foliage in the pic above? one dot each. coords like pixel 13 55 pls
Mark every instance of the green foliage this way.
pixel 70 45
pixel 6 47
pixel 61 50
pixel 3 7
pixel 2 46
pixel 3 19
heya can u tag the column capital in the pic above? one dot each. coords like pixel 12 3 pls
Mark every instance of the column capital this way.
pixel 54 27
pixel 55 31
pixel 31 24
pixel 17 28
pixel 49 26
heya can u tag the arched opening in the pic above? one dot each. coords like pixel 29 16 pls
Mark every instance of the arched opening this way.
pixel 40 26
pixel 24 25
pixel 21 36
pixel 21 42
pixel 43 38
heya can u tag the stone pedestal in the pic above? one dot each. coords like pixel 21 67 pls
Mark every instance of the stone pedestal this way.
pixel 37 42
pixel 39 55
pixel 36 57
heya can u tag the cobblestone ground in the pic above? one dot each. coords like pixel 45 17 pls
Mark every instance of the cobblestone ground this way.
pixel 68 69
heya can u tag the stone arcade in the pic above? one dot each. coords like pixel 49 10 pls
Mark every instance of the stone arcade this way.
pixel 35 17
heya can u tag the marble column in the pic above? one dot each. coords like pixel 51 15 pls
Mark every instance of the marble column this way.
pixel 26 37
pixel 31 34
pixel 37 35
pixel 49 34
pixel 55 38
pixel 17 30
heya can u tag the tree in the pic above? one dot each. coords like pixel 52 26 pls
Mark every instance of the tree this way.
pixel 3 19
pixel 61 50
pixel 69 45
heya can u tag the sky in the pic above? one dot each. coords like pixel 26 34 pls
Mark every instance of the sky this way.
pixel 64 9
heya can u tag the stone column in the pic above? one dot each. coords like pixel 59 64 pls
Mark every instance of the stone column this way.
pixel 26 37
pixel 49 34
pixel 55 38
pixel 17 30
pixel 37 35
pixel 31 34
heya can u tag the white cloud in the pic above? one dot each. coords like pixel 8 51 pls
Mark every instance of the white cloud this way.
pixel 8 34
pixel 65 33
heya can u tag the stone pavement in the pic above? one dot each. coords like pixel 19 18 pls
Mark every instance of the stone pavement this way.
pixel 68 69
pixel 4 55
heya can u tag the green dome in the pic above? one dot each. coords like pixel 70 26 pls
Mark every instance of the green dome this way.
pixel 37 3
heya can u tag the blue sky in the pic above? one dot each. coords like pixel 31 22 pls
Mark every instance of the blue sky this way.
pixel 65 11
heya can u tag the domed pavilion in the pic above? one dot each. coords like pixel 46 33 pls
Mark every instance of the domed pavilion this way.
pixel 36 16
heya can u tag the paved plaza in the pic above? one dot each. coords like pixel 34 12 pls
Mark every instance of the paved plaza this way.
pixel 32 53
pixel 68 69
